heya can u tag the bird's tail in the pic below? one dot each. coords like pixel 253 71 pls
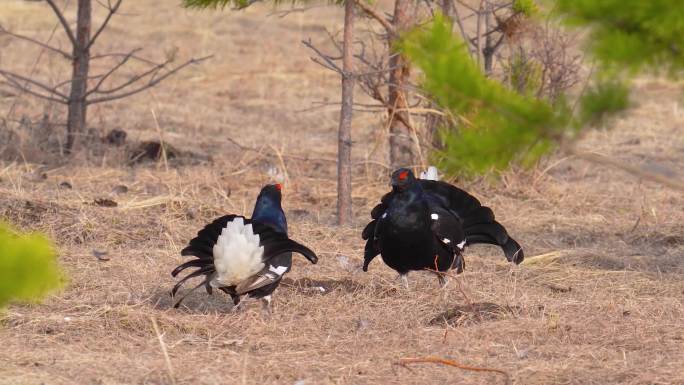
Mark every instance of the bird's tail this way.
pixel 480 227
pixel 204 267
pixel 201 248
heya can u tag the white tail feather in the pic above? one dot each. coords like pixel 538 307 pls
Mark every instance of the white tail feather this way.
pixel 237 254
pixel 430 174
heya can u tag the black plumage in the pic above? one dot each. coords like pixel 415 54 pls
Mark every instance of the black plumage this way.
pixel 426 224
pixel 231 258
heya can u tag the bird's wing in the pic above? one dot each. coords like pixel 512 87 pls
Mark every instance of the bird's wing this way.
pixel 447 228
pixel 275 245
pixel 372 230
pixel 372 233
pixel 459 202
pixel 267 276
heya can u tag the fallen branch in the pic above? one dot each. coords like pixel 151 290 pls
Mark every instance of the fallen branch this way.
pixel 443 361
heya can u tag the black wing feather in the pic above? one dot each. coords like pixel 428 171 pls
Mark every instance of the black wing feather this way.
pixel 447 226
pixel 479 223
pixel 193 263
pixel 370 232
pixel 280 246
pixel 206 270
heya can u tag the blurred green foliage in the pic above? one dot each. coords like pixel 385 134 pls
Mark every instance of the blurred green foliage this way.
pixel 214 4
pixel 525 7
pixel 631 34
pixel 523 75
pixel 497 126
pixel 237 4
pixel 28 266
pixel 604 98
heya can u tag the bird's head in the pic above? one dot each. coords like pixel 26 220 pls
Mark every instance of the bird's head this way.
pixel 272 192
pixel 402 179
pixel 268 209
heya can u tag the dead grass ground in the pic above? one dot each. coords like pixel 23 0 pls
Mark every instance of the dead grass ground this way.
pixel 599 299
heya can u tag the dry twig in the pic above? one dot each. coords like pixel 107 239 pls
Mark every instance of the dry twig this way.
pixel 443 361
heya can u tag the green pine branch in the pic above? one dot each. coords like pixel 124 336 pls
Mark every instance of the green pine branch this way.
pixel 497 126
pixel 632 34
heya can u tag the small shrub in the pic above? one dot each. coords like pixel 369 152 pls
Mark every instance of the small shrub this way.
pixel 28 266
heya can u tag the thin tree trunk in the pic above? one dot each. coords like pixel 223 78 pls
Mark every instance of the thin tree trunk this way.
pixel 344 200
pixel 488 50
pixel 401 144
pixel 447 7
pixel 432 121
pixel 76 119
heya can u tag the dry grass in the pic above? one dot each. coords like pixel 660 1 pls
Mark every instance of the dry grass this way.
pixel 599 299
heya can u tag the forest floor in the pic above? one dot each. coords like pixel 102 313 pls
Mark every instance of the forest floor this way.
pixel 599 299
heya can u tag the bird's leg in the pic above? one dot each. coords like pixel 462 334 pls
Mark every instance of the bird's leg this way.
pixel 404 280
pixel 443 280
pixel 459 263
pixel 237 305
pixel 266 305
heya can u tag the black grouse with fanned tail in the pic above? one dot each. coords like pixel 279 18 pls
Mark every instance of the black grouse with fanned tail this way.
pixel 426 224
pixel 242 256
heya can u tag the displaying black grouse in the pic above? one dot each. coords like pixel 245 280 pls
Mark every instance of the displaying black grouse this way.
pixel 242 256
pixel 425 224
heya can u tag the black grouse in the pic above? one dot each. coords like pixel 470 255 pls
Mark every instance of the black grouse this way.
pixel 242 256
pixel 425 224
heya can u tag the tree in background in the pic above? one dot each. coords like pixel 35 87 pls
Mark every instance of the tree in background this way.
pixel 344 172
pixel 486 27
pixel 28 267
pixel 85 89
pixel 499 128
pixel 496 125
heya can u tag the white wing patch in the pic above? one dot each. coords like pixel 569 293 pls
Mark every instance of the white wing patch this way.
pixel 434 216
pixel 461 245
pixel 237 254
pixel 446 241
pixel 278 270
pixel 384 215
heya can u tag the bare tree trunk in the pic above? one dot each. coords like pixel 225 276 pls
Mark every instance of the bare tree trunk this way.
pixel 432 121
pixel 488 50
pixel 76 119
pixel 401 144
pixel 344 200
pixel 447 7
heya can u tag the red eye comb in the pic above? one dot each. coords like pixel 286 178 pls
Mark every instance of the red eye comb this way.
pixel 403 175
pixel 279 187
